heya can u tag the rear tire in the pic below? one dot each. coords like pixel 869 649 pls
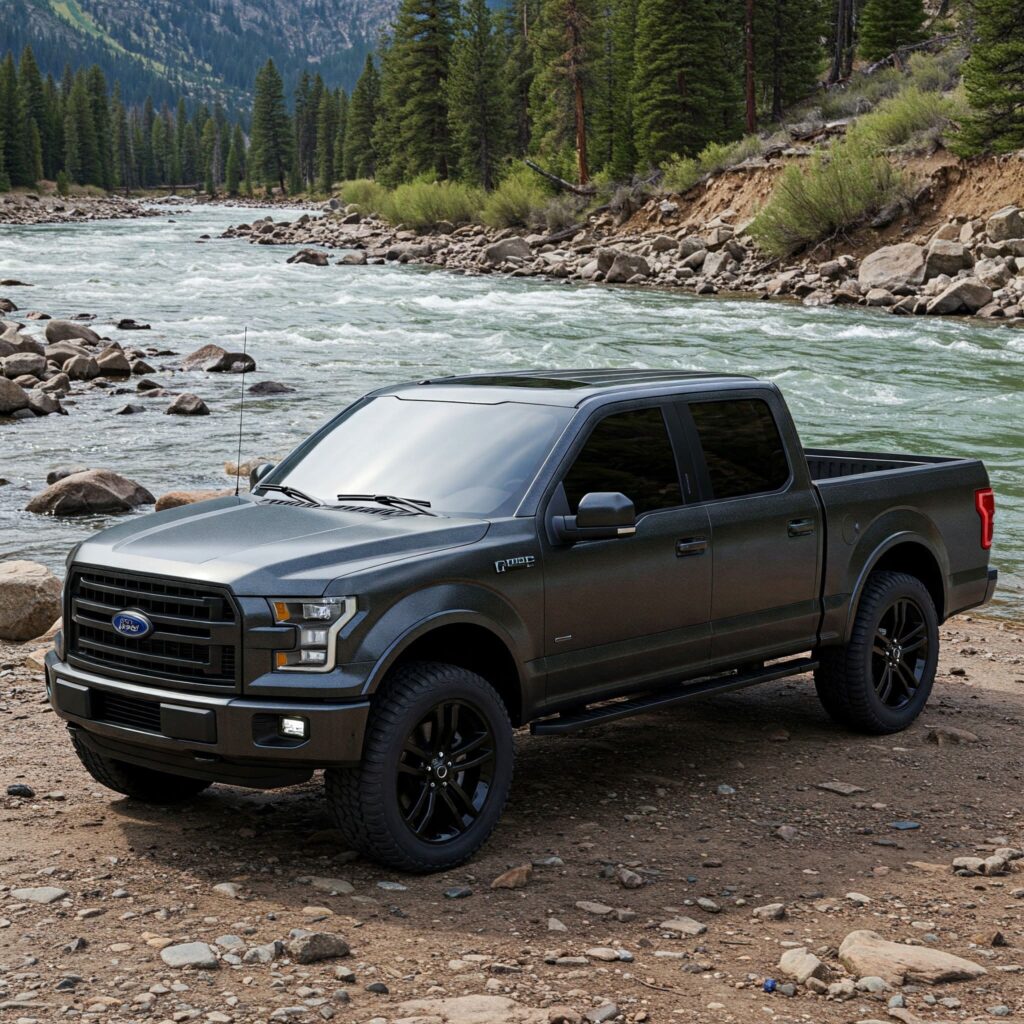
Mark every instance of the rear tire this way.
pixel 435 774
pixel 880 681
pixel 145 784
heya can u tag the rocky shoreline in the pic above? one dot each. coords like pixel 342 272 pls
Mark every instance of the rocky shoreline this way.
pixel 967 266
pixel 20 208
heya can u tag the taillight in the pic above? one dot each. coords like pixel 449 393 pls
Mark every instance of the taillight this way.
pixel 985 503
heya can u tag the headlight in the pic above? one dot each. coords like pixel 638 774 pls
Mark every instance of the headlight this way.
pixel 317 622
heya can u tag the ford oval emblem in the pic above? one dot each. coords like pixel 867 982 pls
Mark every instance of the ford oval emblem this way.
pixel 133 624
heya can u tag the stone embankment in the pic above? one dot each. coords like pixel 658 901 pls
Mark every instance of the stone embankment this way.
pixel 33 208
pixel 966 266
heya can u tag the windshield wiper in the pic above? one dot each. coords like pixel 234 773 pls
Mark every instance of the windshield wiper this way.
pixel 417 505
pixel 291 492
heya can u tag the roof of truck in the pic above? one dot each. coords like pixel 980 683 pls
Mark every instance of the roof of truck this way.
pixel 562 387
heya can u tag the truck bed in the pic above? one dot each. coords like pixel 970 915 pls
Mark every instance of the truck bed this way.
pixel 830 464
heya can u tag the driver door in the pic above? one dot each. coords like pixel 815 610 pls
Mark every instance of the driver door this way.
pixel 630 610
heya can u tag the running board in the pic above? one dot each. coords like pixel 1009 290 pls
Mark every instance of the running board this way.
pixel 570 721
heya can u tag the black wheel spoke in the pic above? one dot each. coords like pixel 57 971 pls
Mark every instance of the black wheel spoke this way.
pixel 482 758
pixel 411 748
pixel 428 813
pixel 908 679
pixel 470 745
pixel 407 769
pixel 410 817
pixel 470 809
pixel 884 686
pixel 456 813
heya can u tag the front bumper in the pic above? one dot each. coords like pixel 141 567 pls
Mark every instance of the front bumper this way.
pixel 223 738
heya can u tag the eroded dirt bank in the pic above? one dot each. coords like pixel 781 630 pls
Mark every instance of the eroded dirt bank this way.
pixel 718 802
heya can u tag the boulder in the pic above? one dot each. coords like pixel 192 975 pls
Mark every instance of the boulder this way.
pixel 58 384
pixel 353 259
pixel 270 387
pixel 215 359
pixel 800 965
pixel 717 261
pixel 43 404
pixel 175 499
pixel 311 256
pixel 866 954
pixel 514 248
pixel 316 946
pixel 188 405
pixel 140 367
pixel 63 471
pixel 893 267
pixel 664 243
pixel 81 368
pixel 965 296
pixel 695 260
pixel 627 266
pixel 113 362
pixel 29 600
pixel 93 492
pixel 15 341
pixel 945 257
pixel 190 954
pixel 1006 223
pixel 992 272
pixel 62 351
pixel 688 246
pixel 65 330
pixel 12 397
pixel 24 362
pixel 686 926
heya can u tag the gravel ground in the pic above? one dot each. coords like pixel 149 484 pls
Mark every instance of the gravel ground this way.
pixel 626 827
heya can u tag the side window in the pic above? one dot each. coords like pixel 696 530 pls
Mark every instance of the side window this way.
pixel 628 452
pixel 742 447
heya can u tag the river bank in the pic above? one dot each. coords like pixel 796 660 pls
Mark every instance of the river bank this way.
pixel 776 832
pixel 42 208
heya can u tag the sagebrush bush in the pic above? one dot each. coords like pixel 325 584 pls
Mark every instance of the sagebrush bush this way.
pixel 518 201
pixel 562 211
pixel 680 173
pixel 860 95
pixel 364 193
pixel 935 72
pixel 838 190
pixel 897 119
pixel 423 204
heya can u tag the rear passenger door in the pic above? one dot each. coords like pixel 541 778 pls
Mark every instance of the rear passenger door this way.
pixel 633 608
pixel 765 528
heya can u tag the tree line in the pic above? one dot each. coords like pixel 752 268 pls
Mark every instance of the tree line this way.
pixel 587 88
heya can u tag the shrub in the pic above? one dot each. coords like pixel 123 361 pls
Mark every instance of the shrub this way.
pixel 861 94
pixel 901 117
pixel 364 193
pixel 562 211
pixel 935 72
pixel 837 191
pixel 680 173
pixel 422 204
pixel 519 201
pixel 720 156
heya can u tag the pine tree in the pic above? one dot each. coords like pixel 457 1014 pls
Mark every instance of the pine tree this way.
pixel 886 25
pixel 96 84
pixel 478 110
pixel 53 134
pixel 234 170
pixel 124 173
pixel 81 148
pixel 18 162
pixel 994 80
pixel 412 135
pixel 623 147
pixel 326 136
pixel 341 116
pixel 271 146
pixel 564 56
pixel 686 87
pixel 33 98
pixel 360 155
pixel 788 57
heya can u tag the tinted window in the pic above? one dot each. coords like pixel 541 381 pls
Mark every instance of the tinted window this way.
pixel 628 452
pixel 742 447
pixel 460 456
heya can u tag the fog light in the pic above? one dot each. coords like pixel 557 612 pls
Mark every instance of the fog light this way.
pixel 293 728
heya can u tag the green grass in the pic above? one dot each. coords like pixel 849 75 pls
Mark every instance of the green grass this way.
pixel 364 193
pixel 839 190
pixel 518 201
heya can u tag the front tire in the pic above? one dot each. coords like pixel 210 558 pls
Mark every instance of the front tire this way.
pixel 435 773
pixel 145 784
pixel 880 681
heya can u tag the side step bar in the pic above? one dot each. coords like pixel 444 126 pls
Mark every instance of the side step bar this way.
pixel 570 721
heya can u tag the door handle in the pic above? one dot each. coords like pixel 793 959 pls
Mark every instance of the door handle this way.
pixel 800 527
pixel 691 546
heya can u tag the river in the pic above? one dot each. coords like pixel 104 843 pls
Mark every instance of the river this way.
pixel 853 378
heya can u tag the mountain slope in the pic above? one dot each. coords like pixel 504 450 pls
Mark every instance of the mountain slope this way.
pixel 205 49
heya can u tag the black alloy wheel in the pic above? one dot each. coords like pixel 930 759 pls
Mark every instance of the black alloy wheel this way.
pixel 445 771
pixel 899 653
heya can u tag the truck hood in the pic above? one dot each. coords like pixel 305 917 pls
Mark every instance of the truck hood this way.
pixel 262 548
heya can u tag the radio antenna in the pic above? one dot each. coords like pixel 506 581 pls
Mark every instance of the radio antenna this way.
pixel 241 409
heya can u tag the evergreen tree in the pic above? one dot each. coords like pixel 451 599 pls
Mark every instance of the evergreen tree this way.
pixel 886 25
pixel 124 173
pixel 341 116
pixel 33 98
pixel 412 135
pixel 18 158
pixel 81 149
pixel 994 80
pixel 53 133
pixel 5 181
pixel 271 146
pixel 521 19
pixel 360 156
pixel 96 85
pixel 144 144
pixel 234 170
pixel 326 137
pixel 686 87
pixel 623 147
pixel 305 133
pixel 788 56
pixel 478 109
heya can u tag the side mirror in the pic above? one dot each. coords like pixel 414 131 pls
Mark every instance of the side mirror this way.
pixel 601 515
pixel 257 473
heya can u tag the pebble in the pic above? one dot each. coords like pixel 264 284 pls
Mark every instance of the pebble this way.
pixel 392 886
pixel 189 954
pixel 20 789
pixel 458 892
pixel 601 1014
pixel 42 894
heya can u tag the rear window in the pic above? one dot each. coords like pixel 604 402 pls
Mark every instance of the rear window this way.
pixel 742 447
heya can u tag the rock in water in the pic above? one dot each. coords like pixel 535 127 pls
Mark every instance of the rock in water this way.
pixel 514 248
pixel 64 330
pixel 215 359
pixel 29 600
pixel 270 387
pixel 967 296
pixel 308 949
pixel 625 267
pixel 311 256
pixel 12 397
pixel 188 405
pixel 893 267
pixel 96 491
pixel 866 953
pixel 20 363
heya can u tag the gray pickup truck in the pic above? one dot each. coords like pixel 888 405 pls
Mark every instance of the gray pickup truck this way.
pixel 448 559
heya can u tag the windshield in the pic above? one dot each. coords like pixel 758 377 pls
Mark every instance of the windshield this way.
pixel 461 457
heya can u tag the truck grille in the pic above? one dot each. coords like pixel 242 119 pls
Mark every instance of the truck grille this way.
pixel 129 711
pixel 195 630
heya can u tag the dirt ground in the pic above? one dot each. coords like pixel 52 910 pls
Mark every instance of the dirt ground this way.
pixel 716 801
